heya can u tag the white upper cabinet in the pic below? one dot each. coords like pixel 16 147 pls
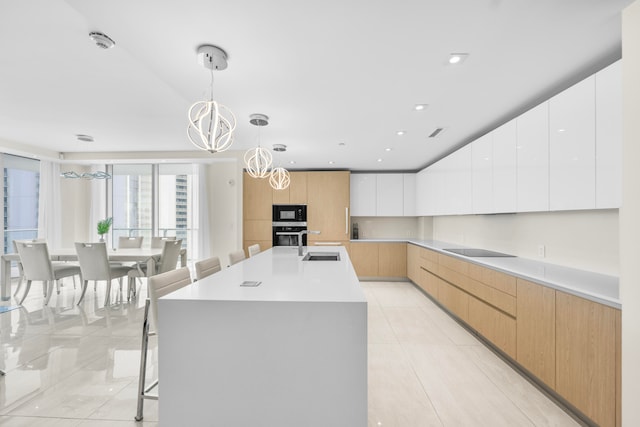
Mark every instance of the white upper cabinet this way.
pixel 482 174
pixel 458 182
pixel 504 168
pixel 363 194
pixel 533 159
pixel 409 181
pixel 423 197
pixel 390 194
pixel 572 138
pixel 609 136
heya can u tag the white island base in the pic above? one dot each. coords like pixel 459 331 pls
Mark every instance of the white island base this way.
pixel 290 352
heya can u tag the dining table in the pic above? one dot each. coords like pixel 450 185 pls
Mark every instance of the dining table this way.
pixel 124 255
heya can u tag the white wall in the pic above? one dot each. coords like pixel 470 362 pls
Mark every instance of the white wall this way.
pixel 385 227
pixel 630 216
pixel 587 240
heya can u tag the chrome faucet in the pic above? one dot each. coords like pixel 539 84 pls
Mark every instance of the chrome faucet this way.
pixel 300 234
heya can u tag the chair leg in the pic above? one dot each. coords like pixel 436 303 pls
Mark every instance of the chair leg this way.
pixel 108 295
pixel 20 280
pixel 85 283
pixel 49 291
pixel 26 292
pixel 143 360
pixel 58 286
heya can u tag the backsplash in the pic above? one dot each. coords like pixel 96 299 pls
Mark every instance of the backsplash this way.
pixel 386 227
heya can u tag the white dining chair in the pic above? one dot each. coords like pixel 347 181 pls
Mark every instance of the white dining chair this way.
pixel 167 261
pixel 253 250
pixel 125 242
pixel 159 286
pixel 236 256
pixel 157 242
pixel 37 265
pixel 94 265
pixel 207 267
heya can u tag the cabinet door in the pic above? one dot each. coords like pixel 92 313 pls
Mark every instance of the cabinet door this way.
pixel 392 259
pixel 298 188
pixel 364 257
pixel 424 195
pixel 256 198
pixel 389 194
pixel 409 190
pixel 328 206
pixel 533 159
pixel 572 172
pixel 609 136
pixel 536 330
pixel 363 194
pixel 454 300
pixel 280 197
pixel 482 174
pixel 504 168
pixel 459 182
pixel 413 263
pixel 586 356
pixel 494 325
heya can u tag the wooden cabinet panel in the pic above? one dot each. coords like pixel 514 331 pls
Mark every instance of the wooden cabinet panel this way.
pixel 256 198
pixel 454 299
pixel 454 264
pixel 257 230
pixel 536 330
pixel 586 356
pixel 494 325
pixel 364 257
pixel 491 296
pixel 413 263
pixel 500 281
pixel 392 259
pixel 328 205
pixel 280 197
pixel 298 188
pixel 429 283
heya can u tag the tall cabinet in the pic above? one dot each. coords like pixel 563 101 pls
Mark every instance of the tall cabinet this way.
pixel 328 206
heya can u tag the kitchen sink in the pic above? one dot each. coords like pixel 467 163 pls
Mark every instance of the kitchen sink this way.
pixel 322 256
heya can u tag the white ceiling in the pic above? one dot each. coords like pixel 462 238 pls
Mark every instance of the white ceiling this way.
pixel 326 72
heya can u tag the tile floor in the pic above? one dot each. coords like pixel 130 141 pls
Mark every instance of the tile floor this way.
pixel 71 366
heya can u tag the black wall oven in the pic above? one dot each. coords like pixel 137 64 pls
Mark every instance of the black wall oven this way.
pixel 288 221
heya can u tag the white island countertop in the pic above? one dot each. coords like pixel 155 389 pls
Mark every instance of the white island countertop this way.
pixel 290 352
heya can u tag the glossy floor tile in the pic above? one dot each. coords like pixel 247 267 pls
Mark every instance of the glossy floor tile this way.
pixel 70 366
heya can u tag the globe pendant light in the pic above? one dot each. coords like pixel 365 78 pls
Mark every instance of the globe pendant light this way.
pixel 279 178
pixel 258 160
pixel 211 125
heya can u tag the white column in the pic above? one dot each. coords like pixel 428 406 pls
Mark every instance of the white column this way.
pixel 630 216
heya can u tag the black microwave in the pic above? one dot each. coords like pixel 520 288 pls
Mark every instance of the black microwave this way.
pixel 289 213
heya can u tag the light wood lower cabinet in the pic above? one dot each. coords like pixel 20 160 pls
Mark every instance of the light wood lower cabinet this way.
pixel 586 356
pixel 494 325
pixel 413 263
pixel 536 330
pixel 454 299
pixel 379 259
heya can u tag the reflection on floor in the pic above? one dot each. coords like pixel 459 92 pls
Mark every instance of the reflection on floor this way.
pixel 78 366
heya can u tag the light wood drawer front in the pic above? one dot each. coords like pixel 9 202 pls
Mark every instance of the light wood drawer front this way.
pixel 494 325
pixel 429 255
pixel 430 266
pixel 536 330
pixel 586 356
pixel 454 264
pixel 429 283
pixel 392 259
pixel 496 279
pixel 454 299
pixel 491 296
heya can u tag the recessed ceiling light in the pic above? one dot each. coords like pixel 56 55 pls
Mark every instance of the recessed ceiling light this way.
pixel 419 107
pixel 561 130
pixel 379 160
pixel 388 149
pixel 331 162
pixel 400 132
pixel 292 162
pixel 457 58
pixel 341 144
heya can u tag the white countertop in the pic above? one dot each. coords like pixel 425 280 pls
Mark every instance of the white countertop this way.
pixel 596 287
pixel 284 277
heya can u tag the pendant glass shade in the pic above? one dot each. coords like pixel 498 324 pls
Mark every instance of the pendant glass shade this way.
pixel 279 179
pixel 211 126
pixel 258 161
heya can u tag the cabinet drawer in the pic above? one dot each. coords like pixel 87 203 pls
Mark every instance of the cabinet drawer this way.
pixel 454 264
pixel 429 255
pixel 500 281
pixel 429 283
pixel 494 325
pixel 454 300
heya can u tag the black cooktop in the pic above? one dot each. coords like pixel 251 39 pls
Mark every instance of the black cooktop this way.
pixel 472 252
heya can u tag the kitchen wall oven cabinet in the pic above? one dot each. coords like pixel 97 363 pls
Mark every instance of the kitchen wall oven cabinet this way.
pixel 328 207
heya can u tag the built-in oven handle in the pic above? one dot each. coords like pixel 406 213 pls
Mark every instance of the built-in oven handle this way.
pixel 346 220
pixel 287 233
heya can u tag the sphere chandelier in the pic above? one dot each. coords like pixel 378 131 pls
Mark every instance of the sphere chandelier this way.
pixel 279 178
pixel 211 125
pixel 258 160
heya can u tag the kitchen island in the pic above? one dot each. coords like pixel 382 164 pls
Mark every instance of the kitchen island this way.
pixel 291 351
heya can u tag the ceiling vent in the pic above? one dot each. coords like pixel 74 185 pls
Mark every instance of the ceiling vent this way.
pixel 436 132
pixel 103 41
pixel 84 138
pixel 279 147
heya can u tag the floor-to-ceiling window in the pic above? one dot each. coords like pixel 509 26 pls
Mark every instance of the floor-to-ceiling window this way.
pixel 155 200
pixel 20 199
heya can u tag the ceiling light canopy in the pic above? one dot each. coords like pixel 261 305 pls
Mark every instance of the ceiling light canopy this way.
pixel 211 125
pixel 258 160
pixel 101 40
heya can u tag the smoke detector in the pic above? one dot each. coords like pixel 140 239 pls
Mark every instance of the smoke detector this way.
pixel 279 147
pixel 103 41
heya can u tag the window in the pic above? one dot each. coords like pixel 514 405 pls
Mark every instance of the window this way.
pixel 156 200
pixel 21 193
